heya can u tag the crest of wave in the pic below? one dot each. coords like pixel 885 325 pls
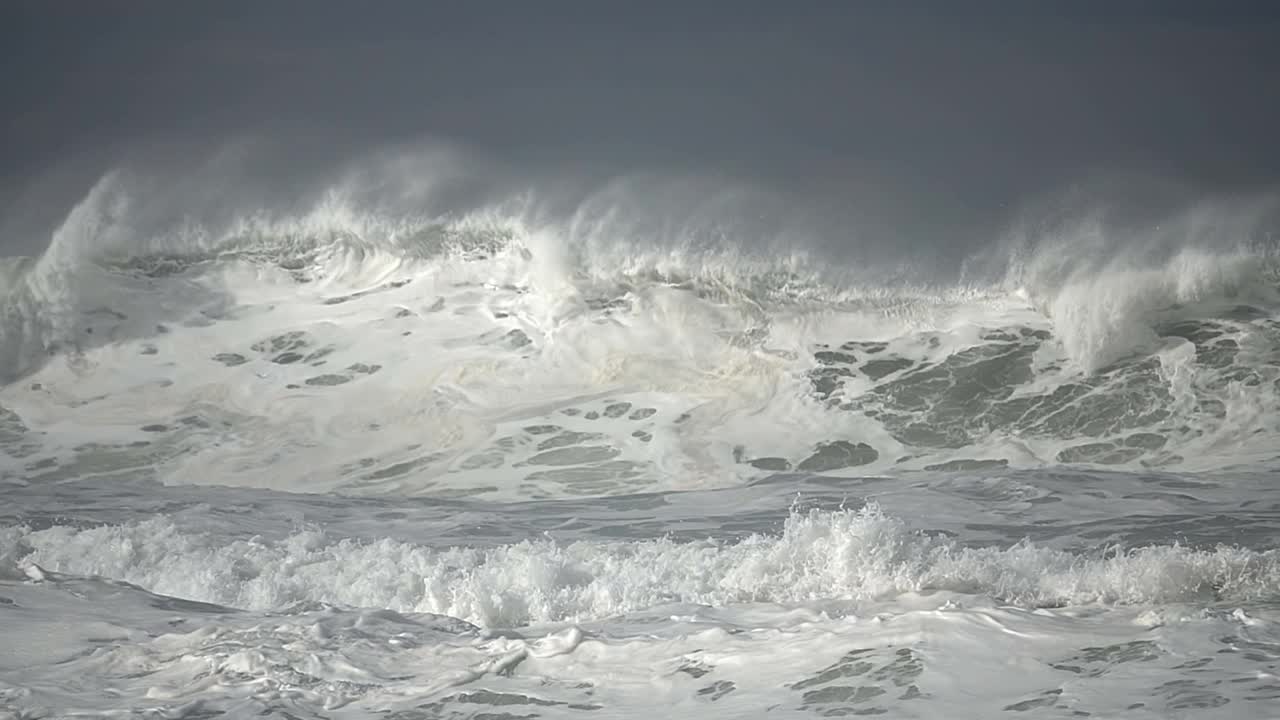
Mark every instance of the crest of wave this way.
pixel 1104 277
pixel 39 296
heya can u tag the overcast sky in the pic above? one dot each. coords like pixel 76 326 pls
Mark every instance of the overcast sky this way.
pixel 963 107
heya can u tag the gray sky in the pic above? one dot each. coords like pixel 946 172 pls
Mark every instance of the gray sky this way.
pixel 953 110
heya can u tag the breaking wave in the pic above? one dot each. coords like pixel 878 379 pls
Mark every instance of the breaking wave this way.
pixel 820 556
pixel 490 331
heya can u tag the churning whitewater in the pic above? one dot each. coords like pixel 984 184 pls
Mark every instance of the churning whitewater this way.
pixel 374 454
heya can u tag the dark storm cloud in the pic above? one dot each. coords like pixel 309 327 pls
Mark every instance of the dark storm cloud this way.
pixel 949 108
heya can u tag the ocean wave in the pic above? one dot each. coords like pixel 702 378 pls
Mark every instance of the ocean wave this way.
pixel 1092 344
pixel 1079 270
pixel 843 555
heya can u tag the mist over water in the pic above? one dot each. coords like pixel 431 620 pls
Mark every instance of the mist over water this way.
pixel 805 368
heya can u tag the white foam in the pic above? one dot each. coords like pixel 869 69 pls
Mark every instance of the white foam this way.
pixel 844 611
pixel 848 555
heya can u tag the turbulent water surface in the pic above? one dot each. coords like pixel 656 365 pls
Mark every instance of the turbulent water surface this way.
pixel 346 461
